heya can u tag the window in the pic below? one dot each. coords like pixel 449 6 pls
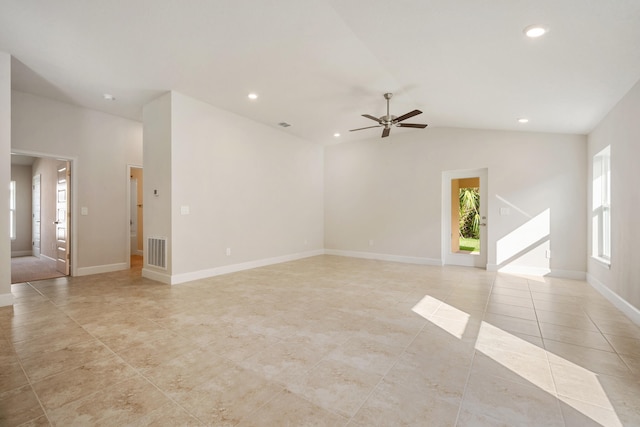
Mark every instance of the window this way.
pixel 12 210
pixel 601 240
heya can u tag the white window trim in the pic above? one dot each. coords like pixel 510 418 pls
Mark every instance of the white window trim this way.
pixel 601 211
pixel 12 211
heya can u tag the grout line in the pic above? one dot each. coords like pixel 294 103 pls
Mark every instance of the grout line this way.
pixel 137 371
pixel 546 355
pixel 30 383
pixel 473 356
pixel 92 360
pixel 373 389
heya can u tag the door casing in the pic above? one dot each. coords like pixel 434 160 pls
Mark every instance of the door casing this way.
pixel 463 259
pixel 140 214
pixel 35 215
pixel 63 215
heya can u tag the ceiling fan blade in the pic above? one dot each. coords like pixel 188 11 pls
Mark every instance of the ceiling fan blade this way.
pixel 368 127
pixel 411 125
pixel 369 116
pixel 385 132
pixel 406 116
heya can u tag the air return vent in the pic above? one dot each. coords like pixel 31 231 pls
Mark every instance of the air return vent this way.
pixel 157 252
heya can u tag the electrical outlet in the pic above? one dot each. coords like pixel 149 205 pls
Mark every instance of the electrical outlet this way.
pixel 228 251
pixel 548 253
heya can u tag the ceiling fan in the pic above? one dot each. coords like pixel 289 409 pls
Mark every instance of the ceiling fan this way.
pixel 389 120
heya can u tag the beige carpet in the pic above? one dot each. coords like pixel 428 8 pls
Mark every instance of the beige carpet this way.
pixel 30 268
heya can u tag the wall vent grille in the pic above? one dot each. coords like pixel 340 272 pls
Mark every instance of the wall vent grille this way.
pixel 157 252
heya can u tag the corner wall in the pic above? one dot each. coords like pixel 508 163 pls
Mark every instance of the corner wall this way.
pixel 242 194
pixel 157 181
pixel 621 130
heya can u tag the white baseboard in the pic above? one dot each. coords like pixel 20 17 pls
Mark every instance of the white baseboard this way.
pixel 157 276
pixel 568 274
pixel 384 257
pixel 538 271
pixel 47 257
pixel 6 299
pixel 226 269
pixel 99 269
pixel 620 303
pixel 15 254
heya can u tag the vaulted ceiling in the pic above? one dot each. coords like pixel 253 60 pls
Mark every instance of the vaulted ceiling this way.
pixel 320 64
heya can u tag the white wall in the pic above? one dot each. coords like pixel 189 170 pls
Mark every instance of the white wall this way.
pixel 391 190
pixel 5 176
pixel 248 187
pixel 101 146
pixel 621 130
pixel 21 174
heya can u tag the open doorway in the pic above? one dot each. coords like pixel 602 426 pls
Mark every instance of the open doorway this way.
pixel 42 245
pixel 466 191
pixel 464 218
pixel 136 212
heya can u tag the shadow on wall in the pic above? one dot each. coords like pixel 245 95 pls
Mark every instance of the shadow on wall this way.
pixel 535 234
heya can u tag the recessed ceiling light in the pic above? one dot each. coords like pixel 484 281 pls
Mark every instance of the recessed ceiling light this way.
pixel 534 31
pixel 523 120
pixel 108 97
pixel 253 96
pixel 336 134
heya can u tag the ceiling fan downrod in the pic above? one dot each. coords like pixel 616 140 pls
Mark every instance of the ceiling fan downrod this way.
pixel 388 120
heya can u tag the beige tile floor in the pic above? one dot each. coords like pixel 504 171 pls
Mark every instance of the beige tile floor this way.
pixel 325 341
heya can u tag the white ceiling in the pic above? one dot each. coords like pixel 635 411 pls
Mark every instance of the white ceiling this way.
pixel 320 64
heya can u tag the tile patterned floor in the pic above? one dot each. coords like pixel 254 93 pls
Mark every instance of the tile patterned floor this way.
pixel 324 341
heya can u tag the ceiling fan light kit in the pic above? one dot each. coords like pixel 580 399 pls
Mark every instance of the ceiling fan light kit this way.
pixel 389 120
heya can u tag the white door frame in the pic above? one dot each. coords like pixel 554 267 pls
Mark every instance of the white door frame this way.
pixel 128 224
pixel 62 222
pixel 74 166
pixel 36 231
pixel 468 260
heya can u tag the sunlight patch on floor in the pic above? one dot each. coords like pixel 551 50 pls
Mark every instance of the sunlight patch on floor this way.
pixel 570 383
pixel 448 318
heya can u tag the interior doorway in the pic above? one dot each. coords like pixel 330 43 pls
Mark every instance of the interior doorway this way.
pixel 464 218
pixel 47 228
pixel 136 215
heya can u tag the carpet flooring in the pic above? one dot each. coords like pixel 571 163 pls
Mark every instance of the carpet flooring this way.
pixel 30 268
